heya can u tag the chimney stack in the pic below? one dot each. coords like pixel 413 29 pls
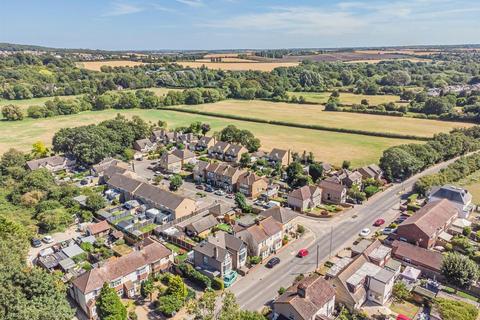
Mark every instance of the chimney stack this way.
pixel 215 252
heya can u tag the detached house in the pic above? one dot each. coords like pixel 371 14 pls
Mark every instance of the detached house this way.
pixel 425 226
pixel 459 197
pixel 283 215
pixel 262 238
pixel 312 298
pixel 52 164
pixel 305 198
pixel 371 171
pixel 234 152
pixel 124 274
pixel 251 185
pixel 279 156
pixel 349 178
pixel 144 145
pixel 333 192
pixel 185 155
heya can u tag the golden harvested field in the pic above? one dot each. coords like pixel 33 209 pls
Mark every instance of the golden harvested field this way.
pixel 238 66
pixel 96 65
pixel 314 114
pixel 327 146
pixel 227 60
pixel 346 98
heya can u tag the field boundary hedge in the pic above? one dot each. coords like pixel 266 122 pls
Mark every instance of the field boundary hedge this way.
pixel 299 125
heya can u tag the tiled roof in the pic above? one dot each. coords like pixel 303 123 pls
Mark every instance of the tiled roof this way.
pixel 280 214
pixel 184 154
pixel 166 159
pixel 248 178
pixel 51 161
pixel 159 196
pixel 417 255
pixel 211 250
pixel 452 193
pixel 331 186
pixel 122 182
pixel 305 192
pixel 203 224
pixel 115 268
pixel 277 154
pixel 98 227
pixel 432 217
pixel 264 229
pixel 226 241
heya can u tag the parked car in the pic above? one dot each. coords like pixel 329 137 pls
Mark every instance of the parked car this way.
pixel 220 193
pixel 209 189
pixel 365 232
pixel 36 243
pixel 259 203
pixel 272 262
pixel 387 231
pixel 401 219
pixel 379 222
pixel 302 253
pixel 48 239
pixel 230 196
pixel 200 187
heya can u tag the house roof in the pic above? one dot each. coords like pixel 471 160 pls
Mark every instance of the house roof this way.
pixel 226 241
pixel 159 196
pixel 248 178
pixel 211 250
pixel 280 214
pixel 201 165
pixel 220 146
pixel 203 224
pixel 264 229
pixel 417 255
pixel 204 140
pixel 234 149
pixel 330 186
pixel 277 154
pixel 115 268
pixel 110 162
pixel 220 209
pixel 183 154
pixel 317 290
pixel 123 182
pixel 51 161
pixel 98 227
pixel 72 250
pixel 432 217
pixel 305 192
pixel 144 142
pixel 372 170
pixel 452 193
pixel 169 158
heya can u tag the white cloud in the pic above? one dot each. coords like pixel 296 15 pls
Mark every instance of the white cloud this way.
pixel 295 20
pixel 192 3
pixel 120 9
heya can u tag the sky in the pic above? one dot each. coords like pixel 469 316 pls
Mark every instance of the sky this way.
pixel 238 24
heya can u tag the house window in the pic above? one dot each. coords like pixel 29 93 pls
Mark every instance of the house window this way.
pixel 115 283
pixel 227 267
pixel 142 270
pixel 205 260
pixel 243 255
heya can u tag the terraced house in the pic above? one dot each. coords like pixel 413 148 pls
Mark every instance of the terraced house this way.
pixel 223 176
pixel 124 274
pixel 218 150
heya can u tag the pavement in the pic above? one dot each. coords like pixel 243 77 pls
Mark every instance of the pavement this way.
pixel 260 286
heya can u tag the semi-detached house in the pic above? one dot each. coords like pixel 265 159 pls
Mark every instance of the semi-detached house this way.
pixel 124 274
pixel 263 238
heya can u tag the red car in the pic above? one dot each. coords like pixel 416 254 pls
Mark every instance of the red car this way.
pixel 402 317
pixel 302 253
pixel 379 222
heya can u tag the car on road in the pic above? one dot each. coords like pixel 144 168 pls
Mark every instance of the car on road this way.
pixel 48 239
pixel 200 187
pixel 220 193
pixel 302 253
pixel 272 262
pixel 387 231
pixel 36 243
pixel 365 232
pixel 209 189
pixel 230 196
pixel 379 222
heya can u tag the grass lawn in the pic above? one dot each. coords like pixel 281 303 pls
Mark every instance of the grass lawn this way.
pixel 177 250
pixel 224 227
pixel 314 114
pixel 327 146
pixel 472 184
pixel 346 98
pixel 122 249
pixel 406 308
pixel 460 293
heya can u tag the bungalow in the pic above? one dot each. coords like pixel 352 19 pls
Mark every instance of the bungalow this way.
pixel 425 226
pixel 98 229
pixel 234 152
pixel 279 156
pixel 185 155
pixel 204 143
pixel 218 150
pixel 251 185
pixel 312 298
pixel 201 227
pixel 459 197
pixel 333 192
pixel 124 274
pixel 144 145
pixel 109 166
pixel 262 238
pixel 52 164
pixel 170 163
pixel 282 215
pixel 304 198
pixel 371 171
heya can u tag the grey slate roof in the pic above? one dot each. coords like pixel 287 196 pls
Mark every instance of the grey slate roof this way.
pixel 452 193
pixel 210 250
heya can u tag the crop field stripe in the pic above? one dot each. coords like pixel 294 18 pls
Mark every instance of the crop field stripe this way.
pixel 302 126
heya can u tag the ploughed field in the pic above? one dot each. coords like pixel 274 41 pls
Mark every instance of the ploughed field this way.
pixel 327 146
pixel 315 115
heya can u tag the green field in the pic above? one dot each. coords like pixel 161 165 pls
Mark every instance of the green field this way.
pixel 327 146
pixel 346 98
pixel 472 184
pixel 314 115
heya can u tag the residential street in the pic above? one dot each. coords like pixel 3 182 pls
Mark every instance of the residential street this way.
pixel 260 285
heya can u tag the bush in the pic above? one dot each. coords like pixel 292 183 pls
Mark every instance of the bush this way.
pixel 254 260
pixel 281 290
pixel 217 283
pixel 456 310
pixel 194 275
pixel 169 305
pixel 300 229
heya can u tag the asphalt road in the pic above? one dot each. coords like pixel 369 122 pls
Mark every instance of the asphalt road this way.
pixel 261 285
